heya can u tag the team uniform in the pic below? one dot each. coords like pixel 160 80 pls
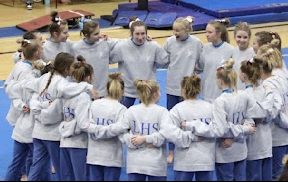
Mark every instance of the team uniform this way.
pixel 19 72
pixel 182 56
pixel 22 132
pixel 211 58
pixel 98 56
pixel 231 111
pixel 48 109
pixel 278 84
pixel 147 160
pixel 137 62
pixel 74 141
pixel 51 49
pixel 105 112
pixel 200 154
pixel 259 157
pixel 238 56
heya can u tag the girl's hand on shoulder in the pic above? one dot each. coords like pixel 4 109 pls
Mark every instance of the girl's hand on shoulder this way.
pixel 94 94
pixel 26 109
pixel 148 38
pixel 104 36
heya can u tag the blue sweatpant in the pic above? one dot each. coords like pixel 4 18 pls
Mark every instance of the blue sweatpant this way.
pixel 234 171
pixel 172 100
pixel 128 101
pixel 188 176
pixel 73 164
pixel 104 173
pixel 20 154
pixel 259 170
pixel 142 177
pixel 43 151
pixel 277 166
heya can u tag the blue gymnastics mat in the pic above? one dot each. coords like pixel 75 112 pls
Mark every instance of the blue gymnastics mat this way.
pixel 229 8
pixel 122 18
pixel 161 15
pixel 260 18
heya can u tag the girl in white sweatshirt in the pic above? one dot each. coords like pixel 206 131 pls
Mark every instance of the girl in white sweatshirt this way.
pixel 275 81
pixel 22 72
pixel 73 143
pixel 105 154
pixel 201 153
pixel 232 120
pixel 259 158
pixel 242 35
pixel 137 58
pixel 143 128
pixel 48 109
pixel 58 40
pixel 213 55
pixel 183 52
pixel 97 53
pixel 18 56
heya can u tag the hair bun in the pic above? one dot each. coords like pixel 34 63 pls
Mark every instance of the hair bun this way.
pixel 81 59
pixel 115 76
pixel 224 21
pixel 190 19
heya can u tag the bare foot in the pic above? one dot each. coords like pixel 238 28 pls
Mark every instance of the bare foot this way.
pixel 24 178
pixel 53 170
pixel 170 158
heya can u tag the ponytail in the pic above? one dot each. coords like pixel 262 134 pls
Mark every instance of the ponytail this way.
pixel 80 70
pixel 221 25
pixel 61 65
pixel 187 22
pixel 115 86
pixel 191 86
pixel 252 70
pixel 57 22
pixel 227 74
pixel 146 90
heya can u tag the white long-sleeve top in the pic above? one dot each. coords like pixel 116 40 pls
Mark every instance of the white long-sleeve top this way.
pixel 211 58
pixel 149 121
pixel 182 56
pixel 22 131
pixel 105 150
pixel 98 56
pixel 238 107
pixel 138 62
pixel 48 119
pixel 278 86
pixel 20 71
pixel 260 143
pixel 230 111
pixel 76 113
pixel 201 154
pixel 51 49
pixel 239 56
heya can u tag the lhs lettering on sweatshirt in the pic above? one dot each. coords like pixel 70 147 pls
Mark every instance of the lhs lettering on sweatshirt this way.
pixel 69 113
pixel 103 122
pixel 205 120
pixel 285 99
pixel 45 96
pixel 144 128
pixel 237 118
